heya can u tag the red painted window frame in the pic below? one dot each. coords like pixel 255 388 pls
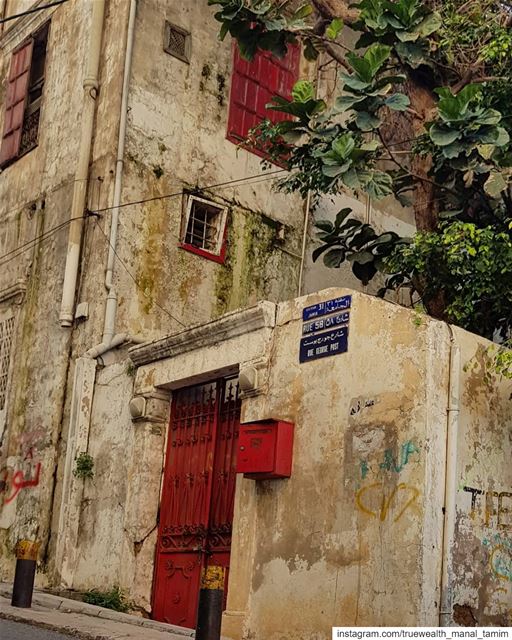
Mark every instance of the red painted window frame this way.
pixel 18 82
pixel 220 257
pixel 260 72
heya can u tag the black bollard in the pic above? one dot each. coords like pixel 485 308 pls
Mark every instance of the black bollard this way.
pixel 211 596
pixel 26 560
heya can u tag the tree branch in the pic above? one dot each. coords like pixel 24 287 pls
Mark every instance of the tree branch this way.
pixel 410 173
pixel 330 9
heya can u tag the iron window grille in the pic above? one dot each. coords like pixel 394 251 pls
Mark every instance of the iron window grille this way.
pixel 204 228
pixel 177 42
pixel 6 340
pixel 23 97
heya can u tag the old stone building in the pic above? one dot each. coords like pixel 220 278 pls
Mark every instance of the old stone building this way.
pixel 128 211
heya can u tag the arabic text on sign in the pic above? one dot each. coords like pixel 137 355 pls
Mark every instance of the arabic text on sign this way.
pixel 327 307
pixel 324 344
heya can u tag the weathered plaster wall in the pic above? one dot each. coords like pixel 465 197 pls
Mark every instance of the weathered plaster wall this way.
pixel 482 556
pixel 35 196
pixel 351 538
pixel 177 140
pixel 354 537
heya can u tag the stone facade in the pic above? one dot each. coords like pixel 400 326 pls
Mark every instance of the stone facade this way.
pixel 69 392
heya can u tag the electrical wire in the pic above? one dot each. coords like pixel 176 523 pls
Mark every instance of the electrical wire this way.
pixel 42 196
pixel 29 11
pixel 180 193
pixel 29 245
pixel 15 253
pixel 137 284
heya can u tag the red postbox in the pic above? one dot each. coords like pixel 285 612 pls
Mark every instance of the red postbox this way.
pixel 265 449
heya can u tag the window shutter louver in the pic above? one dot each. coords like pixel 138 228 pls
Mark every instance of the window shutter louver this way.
pixel 16 98
pixel 254 84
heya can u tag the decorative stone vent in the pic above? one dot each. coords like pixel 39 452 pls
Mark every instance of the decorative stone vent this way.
pixel 177 42
pixel 6 337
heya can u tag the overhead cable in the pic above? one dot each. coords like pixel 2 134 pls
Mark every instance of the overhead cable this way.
pixel 33 10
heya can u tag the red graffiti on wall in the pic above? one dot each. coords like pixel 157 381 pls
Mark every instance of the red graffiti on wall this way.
pixel 12 480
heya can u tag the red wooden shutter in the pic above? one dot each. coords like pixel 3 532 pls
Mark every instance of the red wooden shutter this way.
pixel 16 97
pixel 254 84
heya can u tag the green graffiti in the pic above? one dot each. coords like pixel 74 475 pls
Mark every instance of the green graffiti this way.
pixel 390 464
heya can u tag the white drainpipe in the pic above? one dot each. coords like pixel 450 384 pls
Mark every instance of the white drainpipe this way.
pixel 90 86
pixel 450 493
pixel 111 306
pixel 110 339
pixel 85 367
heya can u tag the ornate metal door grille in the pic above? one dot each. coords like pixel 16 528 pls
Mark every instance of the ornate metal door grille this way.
pixel 196 511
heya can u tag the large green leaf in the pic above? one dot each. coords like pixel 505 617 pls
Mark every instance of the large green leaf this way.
pixel 303 90
pixel 334 258
pixel 377 55
pixel 325 225
pixel 398 102
pixel 429 24
pixel 364 272
pixel 489 116
pixel 503 137
pixel 343 146
pixel 368 65
pixel 344 103
pixel 414 53
pixel 377 184
pixel 303 12
pixel 334 29
pixel 335 170
pixel 495 184
pixel 341 216
pixel 354 82
pixel 442 136
pixel 367 121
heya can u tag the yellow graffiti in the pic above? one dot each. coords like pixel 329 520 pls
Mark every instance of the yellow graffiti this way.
pixel 387 501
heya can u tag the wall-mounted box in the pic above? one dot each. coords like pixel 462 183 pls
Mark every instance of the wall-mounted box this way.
pixel 265 449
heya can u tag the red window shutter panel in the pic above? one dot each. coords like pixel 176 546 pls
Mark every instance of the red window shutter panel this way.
pixel 16 98
pixel 253 85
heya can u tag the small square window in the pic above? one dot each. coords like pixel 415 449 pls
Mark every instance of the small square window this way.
pixel 204 228
pixel 177 42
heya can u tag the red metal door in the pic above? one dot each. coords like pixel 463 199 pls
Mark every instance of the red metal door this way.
pixel 196 510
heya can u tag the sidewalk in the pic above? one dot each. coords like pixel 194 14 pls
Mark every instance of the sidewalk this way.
pixel 85 620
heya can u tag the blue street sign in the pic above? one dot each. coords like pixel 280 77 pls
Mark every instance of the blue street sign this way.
pixel 325 308
pixel 339 319
pixel 322 345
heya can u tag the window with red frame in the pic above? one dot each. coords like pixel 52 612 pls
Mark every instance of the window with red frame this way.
pixel 254 84
pixel 24 95
pixel 204 229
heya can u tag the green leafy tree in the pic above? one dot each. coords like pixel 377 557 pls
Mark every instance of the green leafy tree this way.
pixel 440 69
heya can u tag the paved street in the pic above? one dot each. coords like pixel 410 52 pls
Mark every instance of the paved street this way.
pixel 19 631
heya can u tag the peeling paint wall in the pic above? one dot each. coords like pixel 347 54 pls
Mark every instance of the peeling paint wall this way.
pixel 358 527
pixel 176 139
pixel 35 196
pixel 355 536
pixel 482 557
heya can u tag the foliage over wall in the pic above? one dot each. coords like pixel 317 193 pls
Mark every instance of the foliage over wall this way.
pixel 441 69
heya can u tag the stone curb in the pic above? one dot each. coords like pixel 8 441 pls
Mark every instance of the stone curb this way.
pixel 49 601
